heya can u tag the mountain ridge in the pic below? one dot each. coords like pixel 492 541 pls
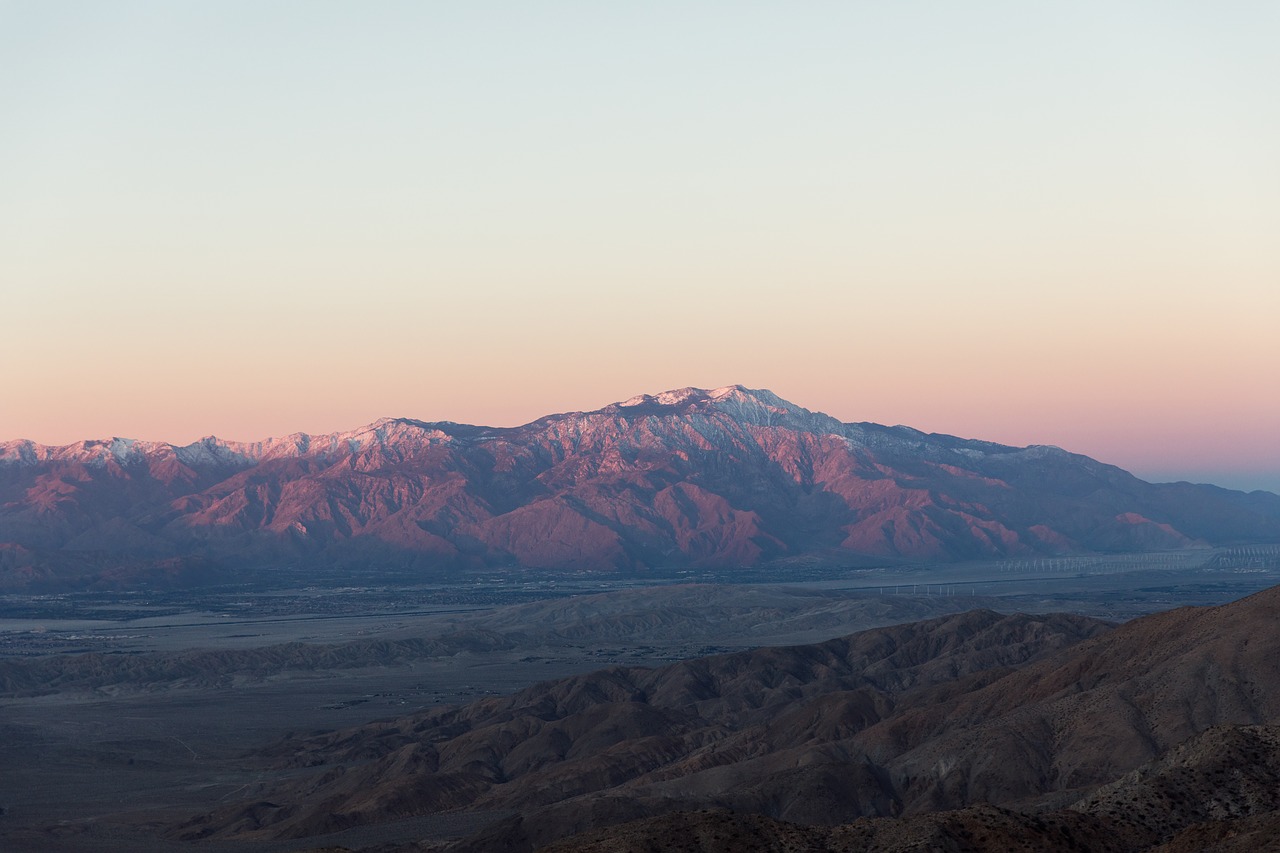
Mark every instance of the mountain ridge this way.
pixel 685 478
pixel 758 403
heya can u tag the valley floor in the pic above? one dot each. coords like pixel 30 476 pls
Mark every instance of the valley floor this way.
pixel 122 715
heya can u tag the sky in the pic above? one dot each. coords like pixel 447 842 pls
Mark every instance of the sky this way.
pixel 1030 223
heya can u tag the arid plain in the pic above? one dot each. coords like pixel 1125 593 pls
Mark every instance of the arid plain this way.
pixel 122 721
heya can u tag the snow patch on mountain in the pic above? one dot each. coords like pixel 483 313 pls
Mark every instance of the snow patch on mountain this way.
pixel 209 452
pixel 20 452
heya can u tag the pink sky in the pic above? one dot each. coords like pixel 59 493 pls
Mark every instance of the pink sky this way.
pixel 487 215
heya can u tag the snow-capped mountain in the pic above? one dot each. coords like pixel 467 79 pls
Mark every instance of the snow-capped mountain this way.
pixel 728 477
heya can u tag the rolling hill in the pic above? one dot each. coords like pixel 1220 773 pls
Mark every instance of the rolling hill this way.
pixel 1054 732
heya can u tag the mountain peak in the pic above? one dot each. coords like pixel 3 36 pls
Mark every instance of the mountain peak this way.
pixel 756 406
pixel 763 397
pixel 691 396
pixel 676 397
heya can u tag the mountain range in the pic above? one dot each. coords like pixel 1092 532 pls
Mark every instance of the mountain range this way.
pixel 687 478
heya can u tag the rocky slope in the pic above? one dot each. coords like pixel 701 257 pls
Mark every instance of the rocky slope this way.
pixel 771 730
pixel 1159 732
pixel 1220 791
pixel 729 477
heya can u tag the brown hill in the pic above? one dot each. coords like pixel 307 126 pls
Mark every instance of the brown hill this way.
pixel 978 829
pixel 1014 711
pixel 1089 715
pixel 1219 791
pixel 765 730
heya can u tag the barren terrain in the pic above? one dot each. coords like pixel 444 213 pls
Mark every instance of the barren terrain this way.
pixel 126 715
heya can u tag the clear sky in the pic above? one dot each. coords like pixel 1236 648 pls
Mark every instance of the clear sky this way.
pixel 1052 223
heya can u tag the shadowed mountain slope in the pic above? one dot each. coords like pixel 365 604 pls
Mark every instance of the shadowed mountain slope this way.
pixel 910 720
pixel 729 477
pixel 767 730
pixel 1219 791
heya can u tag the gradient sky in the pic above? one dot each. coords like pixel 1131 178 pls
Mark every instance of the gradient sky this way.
pixel 1024 222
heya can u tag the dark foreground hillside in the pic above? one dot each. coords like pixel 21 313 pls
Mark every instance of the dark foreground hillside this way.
pixel 1219 791
pixel 969 732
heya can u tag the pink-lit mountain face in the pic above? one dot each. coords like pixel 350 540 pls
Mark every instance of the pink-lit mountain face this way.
pixel 687 478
